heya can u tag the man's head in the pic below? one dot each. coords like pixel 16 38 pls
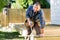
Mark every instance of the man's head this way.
pixel 36 7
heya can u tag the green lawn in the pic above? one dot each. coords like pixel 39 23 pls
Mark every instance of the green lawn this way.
pixel 10 35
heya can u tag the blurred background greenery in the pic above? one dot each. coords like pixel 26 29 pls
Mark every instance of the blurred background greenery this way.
pixel 2 4
pixel 22 4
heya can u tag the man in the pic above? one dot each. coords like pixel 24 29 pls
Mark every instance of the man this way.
pixel 35 14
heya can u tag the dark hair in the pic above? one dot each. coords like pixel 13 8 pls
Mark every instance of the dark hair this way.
pixel 37 3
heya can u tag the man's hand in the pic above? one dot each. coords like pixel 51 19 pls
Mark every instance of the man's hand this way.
pixel 28 20
pixel 29 23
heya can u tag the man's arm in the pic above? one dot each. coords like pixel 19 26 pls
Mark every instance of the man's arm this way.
pixel 43 15
pixel 42 18
pixel 27 14
pixel 27 17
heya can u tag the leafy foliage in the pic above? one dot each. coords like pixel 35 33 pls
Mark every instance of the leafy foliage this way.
pixel 2 4
pixel 23 4
pixel 43 3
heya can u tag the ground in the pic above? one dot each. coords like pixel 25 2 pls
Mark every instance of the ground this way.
pixel 51 33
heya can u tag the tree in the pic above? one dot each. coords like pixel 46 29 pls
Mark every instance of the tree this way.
pixel 3 3
pixel 43 3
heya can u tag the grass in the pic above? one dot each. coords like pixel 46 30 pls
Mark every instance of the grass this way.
pixel 10 35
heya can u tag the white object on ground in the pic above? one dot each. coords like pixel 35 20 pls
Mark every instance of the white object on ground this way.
pixel 24 32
